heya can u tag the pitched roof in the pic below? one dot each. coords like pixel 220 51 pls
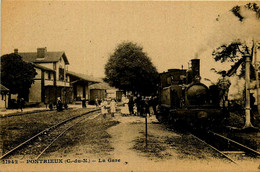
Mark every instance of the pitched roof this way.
pixel 84 77
pixel 101 86
pixel 42 67
pixel 49 57
pixel 3 88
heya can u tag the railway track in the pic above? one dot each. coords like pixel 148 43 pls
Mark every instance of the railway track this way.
pixel 37 145
pixel 229 149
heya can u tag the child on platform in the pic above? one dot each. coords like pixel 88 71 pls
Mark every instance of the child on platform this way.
pixel 113 108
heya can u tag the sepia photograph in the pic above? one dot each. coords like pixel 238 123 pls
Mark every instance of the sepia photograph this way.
pixel 130 86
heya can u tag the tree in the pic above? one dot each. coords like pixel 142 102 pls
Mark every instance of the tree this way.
pixel 16 74
pixel 240 51
pixel 235 50
pixel 130 69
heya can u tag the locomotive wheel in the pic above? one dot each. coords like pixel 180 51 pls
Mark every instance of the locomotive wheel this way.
pixel 161 117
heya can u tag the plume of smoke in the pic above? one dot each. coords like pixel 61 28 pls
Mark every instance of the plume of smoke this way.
pixel 236 88
pixel 202 49
pixel 229 28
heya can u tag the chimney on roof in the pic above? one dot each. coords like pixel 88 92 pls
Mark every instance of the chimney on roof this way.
pixel 15 51
pixel 41 52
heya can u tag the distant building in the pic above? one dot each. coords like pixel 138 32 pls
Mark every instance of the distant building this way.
pixel 101 90
pixel 53 78
pixel 80 84
pixel 4 97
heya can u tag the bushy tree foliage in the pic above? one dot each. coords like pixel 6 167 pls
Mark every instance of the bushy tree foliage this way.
pixel 16 74
pixel 234 51
pixel 236 10
pixel 130 69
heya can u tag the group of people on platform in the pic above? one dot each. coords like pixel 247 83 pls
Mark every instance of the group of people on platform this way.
pixel 139 105
pixel 131 105
pixel 105 106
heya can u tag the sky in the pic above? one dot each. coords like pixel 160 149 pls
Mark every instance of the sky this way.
pixel 171 33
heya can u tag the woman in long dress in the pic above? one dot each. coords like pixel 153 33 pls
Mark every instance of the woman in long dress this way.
pixel 113 108
pixel 125 109
pixel 103 108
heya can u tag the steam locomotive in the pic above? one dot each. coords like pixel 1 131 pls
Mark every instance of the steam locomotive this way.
pixel 183 98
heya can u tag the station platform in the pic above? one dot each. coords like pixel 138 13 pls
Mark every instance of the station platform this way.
pixel 8 112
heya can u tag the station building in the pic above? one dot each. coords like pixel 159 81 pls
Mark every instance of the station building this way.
pixel 81 83
pixel 4 97
pixel 53 78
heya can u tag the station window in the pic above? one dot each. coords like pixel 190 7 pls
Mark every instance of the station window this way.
pixel 49 75
pixel 61 74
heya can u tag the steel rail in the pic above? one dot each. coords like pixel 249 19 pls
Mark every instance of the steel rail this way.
pixel 227 157
pixel 236 143
pixel 59 136
pixel 45 131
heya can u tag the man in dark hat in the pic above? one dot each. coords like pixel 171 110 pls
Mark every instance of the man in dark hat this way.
pixel 59 104
pixel 84 103
pixel 223 86
pixel 131 105
pixel 138 104
pixel 21 103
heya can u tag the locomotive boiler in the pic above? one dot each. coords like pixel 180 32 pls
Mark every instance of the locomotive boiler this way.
pixel 183 98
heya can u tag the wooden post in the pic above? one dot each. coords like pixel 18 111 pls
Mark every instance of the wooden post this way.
pixel 146 131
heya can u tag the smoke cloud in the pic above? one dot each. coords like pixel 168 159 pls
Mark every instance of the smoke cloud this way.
pixel 228 28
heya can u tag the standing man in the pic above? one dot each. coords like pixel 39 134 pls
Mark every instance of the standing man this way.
pixel 154 104
pixel 138 104
pixel 96 102
pixel 59 104
pixel 84 103
pixel 21 104
pixel 131 105
pixel 146 107
pixel 142 106
pixel 223 86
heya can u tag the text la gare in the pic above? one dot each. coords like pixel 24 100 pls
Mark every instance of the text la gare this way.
pixel 108 160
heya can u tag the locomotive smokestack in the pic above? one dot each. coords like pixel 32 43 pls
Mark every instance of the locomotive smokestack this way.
pixel 195 67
